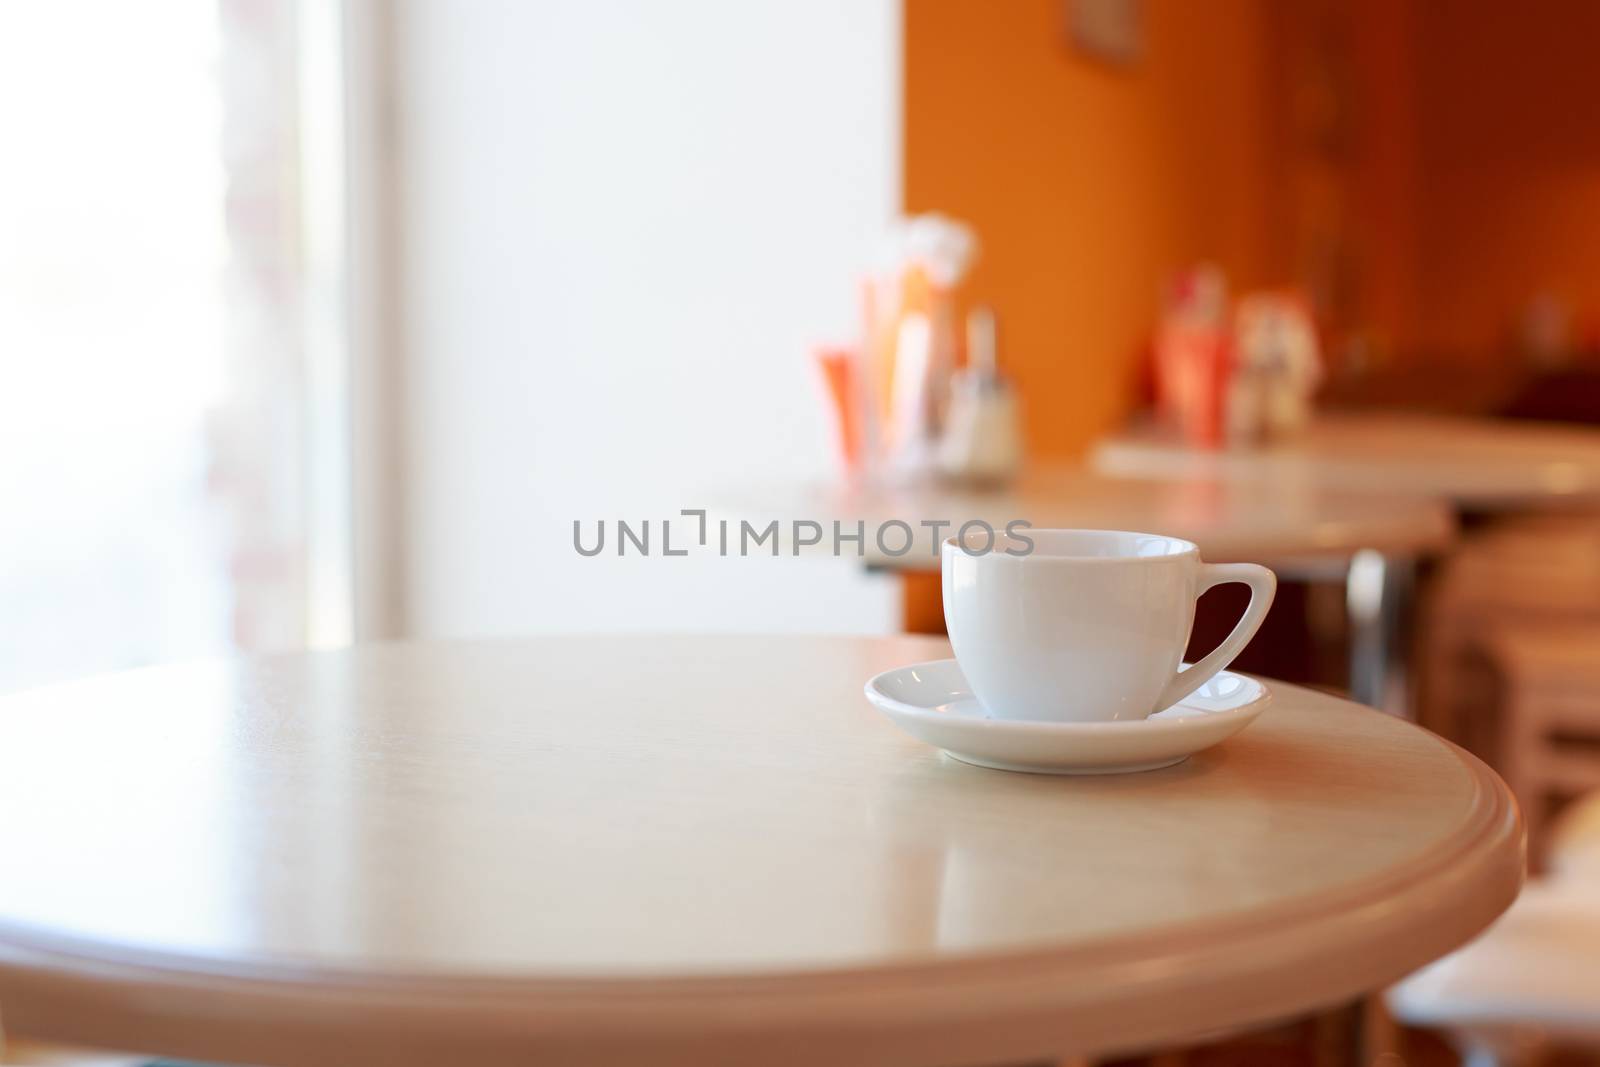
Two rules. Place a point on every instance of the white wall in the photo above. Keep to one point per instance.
(623, 223)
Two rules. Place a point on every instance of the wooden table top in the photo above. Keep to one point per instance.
(1478, 464)
(1231, 521)
(690, 850)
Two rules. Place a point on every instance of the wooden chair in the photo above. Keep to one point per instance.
(1539, 570)
(1575, 843)
(1511, 654)
(1549, 686)
(1532, 982)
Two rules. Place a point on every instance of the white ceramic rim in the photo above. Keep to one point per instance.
(1187, 549)
(882, 700)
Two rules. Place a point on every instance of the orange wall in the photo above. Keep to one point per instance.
(1423, 169)
(1090, 185)
(1463, 174)
(1509, 165)
(1382, 169)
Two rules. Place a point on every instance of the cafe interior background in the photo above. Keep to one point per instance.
(328, 322)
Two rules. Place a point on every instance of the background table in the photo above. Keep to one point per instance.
(1479, 464)
(691, 851)
(1369, 541)
(1230, 520)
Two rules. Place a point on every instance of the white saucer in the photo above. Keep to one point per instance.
(932, 702)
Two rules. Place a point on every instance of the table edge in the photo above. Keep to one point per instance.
(1174, 982)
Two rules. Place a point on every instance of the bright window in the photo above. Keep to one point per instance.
(153, 384)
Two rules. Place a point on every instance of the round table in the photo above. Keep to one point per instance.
(1478, 464)
(691, 851)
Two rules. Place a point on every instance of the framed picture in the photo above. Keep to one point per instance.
(1109, 31)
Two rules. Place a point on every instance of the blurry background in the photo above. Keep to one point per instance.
(171, 341)
(570, 254)
(325, 320)
(322, 321)
(1424, 171)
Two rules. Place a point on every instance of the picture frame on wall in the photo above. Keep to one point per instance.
(1107, 31)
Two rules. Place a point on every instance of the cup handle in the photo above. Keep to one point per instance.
(1263, 584)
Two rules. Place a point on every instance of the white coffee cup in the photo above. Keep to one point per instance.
(1086, 625)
